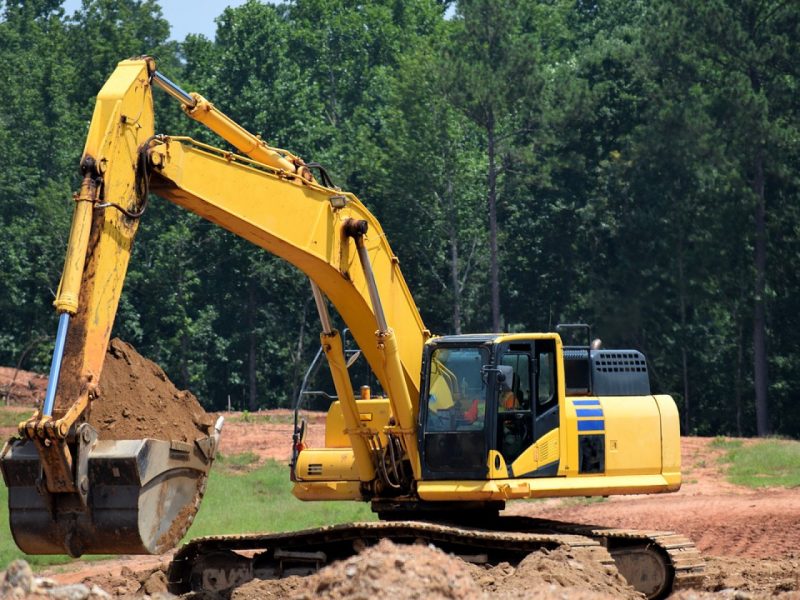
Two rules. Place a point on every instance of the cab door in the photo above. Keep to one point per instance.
(527, 415)
(546, 404)
(515, 401)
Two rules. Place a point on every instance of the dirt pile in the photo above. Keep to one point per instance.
(129, 584)
(553, 574)
(19, 583)
(137, 400)
(410, 572)
(384, 570)
(760, 578)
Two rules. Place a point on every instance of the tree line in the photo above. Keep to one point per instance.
(628, 164)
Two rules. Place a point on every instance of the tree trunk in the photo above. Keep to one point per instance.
(454, 280)
(737, 384)
(687, 411)
(252, 399)
(763, 426)
(494, 270)
(452, 232)
(184, 362)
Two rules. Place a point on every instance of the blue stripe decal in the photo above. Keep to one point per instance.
(591, 425)
(586, 402)
(589, 412)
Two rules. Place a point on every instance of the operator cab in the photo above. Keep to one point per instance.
(481, 394)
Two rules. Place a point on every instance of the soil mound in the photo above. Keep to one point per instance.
(411, 572)
(137, 400)
(553, 574)
(384, 570)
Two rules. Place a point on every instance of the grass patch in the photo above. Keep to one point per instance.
(723, 443)
(245, 461)
(10, 417)
(772, 463)
(248, 417)
(260, 500)
(241, 498)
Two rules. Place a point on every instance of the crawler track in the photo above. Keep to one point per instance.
(654, 562)
(639, 555)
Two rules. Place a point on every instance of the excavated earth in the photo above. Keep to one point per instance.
(136, 399)
(751, 539)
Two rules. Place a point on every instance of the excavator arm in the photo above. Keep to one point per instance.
(269, 197)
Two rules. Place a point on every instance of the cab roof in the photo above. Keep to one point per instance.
(489, 338)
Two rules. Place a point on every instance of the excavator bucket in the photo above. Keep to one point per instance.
(136, 497)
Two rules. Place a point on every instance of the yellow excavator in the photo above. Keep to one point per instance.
(468, 422)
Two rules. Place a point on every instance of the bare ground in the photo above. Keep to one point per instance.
(21, 388)
(751, 538)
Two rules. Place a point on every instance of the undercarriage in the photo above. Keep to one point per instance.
(653, 562)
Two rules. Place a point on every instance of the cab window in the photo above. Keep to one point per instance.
(456, 390)
(454, 440)
(546, 381)
(520, 385)
(515, 399)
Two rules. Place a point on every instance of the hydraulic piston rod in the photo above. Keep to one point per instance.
(174, 90)
(200, 109)
(55, 365)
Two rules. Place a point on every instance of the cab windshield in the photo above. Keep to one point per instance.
(456, 390)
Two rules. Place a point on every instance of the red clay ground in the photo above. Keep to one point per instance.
(752, 538)
(721, 518)
(18, 387)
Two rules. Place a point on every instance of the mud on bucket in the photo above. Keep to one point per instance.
(142, 497)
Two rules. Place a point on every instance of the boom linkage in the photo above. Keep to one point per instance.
(268, 197)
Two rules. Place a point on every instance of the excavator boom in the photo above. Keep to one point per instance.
(62, 496)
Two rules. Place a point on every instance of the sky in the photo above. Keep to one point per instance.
(184, 16)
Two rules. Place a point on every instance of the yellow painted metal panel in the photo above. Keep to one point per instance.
(497, 465)
(327, 490)
(543, 452)
(122, 121)
(670, 440)
(300, 224)
(633, 432)
(326, 464)
(353, 428)
(377, 409)
(545, 487)
(632, 429)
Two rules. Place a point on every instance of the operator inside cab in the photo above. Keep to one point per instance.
(452, 404)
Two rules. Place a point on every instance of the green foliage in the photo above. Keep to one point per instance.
(627, 149)
(772, 463)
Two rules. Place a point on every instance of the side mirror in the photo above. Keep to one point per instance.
(505, 373)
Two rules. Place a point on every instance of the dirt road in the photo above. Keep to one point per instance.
(751, 537)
